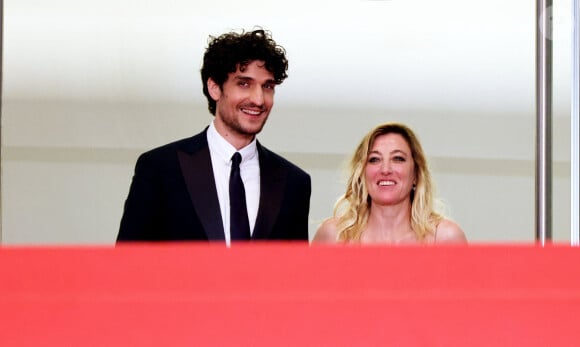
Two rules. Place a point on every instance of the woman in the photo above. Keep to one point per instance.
(389, 197)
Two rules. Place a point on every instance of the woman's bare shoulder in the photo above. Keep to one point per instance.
(449, 231)
(326, 232)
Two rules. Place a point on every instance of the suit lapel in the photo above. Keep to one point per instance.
(272, 178)
(198, 175)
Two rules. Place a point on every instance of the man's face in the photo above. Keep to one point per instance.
(243, 103)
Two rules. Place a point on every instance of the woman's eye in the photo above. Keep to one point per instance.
(373, 160)
(399, 158)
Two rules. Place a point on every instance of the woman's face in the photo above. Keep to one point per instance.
(390, 170)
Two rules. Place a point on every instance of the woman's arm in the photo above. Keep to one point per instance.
(449, 232)
(326, 232)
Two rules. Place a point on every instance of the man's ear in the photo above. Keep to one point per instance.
(214, 89)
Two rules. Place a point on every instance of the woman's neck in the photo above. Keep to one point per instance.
(389, 224)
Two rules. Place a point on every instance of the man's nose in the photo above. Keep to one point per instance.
(257, 96)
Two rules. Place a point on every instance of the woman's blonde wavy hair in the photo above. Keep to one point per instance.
(352, 209)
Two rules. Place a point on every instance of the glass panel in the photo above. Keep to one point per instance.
(88, 85)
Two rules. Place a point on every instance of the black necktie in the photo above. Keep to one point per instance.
(239, 225)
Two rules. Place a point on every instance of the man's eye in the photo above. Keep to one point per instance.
(269, 86)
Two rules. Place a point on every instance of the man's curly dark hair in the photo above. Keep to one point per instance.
(229, 51)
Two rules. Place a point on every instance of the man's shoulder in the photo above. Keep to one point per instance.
(188, 144)
(279, 160)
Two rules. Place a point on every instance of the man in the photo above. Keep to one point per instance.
(187, 190)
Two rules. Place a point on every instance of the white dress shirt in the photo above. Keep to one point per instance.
(221, 152)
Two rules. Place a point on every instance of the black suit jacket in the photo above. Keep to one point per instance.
(173, 196)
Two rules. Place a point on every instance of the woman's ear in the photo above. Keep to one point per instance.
(214, 89)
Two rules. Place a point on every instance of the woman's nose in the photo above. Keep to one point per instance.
(386, 167)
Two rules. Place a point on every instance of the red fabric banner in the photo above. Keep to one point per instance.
(289, 295)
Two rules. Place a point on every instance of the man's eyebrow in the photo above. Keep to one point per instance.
(244, 78)
(247, 78)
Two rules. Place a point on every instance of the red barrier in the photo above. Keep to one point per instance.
(289, 295)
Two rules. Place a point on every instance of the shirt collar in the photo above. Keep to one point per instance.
(224, 150)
